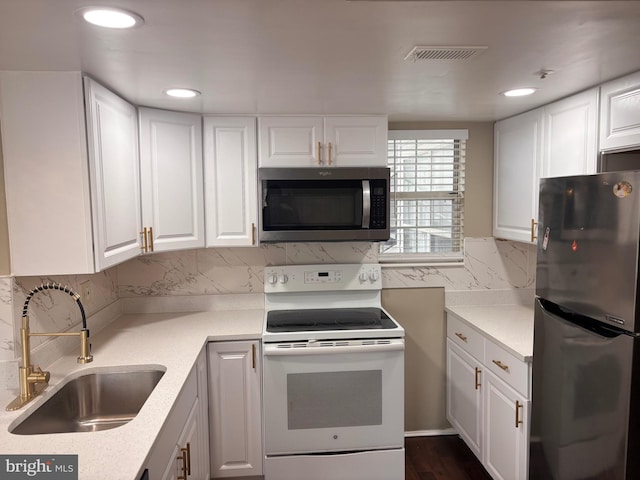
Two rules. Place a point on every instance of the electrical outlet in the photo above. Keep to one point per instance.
(85, 292)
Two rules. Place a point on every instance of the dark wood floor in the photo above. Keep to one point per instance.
(441, 458)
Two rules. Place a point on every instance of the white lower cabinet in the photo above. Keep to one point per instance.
(488, 400)
(235, 409)
(181, 451)
(506, 435)
(464, 396)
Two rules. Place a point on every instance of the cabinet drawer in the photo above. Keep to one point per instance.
(507, 367)
(465, 336)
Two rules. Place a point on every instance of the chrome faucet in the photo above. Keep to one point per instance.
(32, 379)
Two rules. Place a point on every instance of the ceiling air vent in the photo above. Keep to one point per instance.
(443, 53)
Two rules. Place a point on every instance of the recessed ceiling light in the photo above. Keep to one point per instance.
(182, 92)
(519, 92)
(111, 17)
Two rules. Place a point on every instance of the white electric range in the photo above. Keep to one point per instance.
(333, 377)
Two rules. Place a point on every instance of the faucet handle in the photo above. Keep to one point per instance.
(39, 376)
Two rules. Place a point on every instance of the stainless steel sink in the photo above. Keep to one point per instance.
(92, 402)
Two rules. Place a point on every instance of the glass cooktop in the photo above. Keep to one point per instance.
(279, 321)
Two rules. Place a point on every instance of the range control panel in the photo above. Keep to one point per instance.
(311, 278)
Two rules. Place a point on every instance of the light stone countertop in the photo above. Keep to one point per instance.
(510, 326)
(172, 340)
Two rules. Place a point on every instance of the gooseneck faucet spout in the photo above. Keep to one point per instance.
(32, 379)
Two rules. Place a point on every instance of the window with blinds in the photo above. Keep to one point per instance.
(427, 195)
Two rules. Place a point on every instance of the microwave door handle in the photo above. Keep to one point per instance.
(366, 203)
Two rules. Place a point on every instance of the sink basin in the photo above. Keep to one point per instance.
(92, 402)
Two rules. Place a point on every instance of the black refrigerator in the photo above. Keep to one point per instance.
(585, 409)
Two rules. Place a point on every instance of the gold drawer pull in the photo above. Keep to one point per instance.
(518, 407)
(478, 372)
(501, 365)
(534, 237)
(319, 153)
(461, 337)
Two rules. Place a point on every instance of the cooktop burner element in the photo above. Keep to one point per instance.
(328, 319)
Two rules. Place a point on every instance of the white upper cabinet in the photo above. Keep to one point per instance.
(231, 187)
(571, 136)
(517, 158)
(114, 166)
(555, 140)
(620, 113)
(356, 141)
(171, 179)
(55, 220)
(316, 141)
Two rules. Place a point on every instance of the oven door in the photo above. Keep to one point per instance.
(331, 396)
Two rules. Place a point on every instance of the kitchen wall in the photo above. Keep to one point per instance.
(414, 294)
(5, 267)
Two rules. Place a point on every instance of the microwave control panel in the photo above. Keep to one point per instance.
(379, 204)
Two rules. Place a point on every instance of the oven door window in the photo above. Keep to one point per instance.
(312, 399)
(312, 205)
(333, 401)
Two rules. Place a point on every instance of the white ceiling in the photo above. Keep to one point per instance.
(332, 56)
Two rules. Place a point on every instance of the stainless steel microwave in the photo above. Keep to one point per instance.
(323, 205)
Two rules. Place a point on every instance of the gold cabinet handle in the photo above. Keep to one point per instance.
(478, 372)
(329, 153)
(253, 234)
(188, 458)
(145, 243)
(150, 239)
(518, 407)
(319, 153)
(534, 224)
(501, 365)
(253, 356)
(461, 337)
(183, 457)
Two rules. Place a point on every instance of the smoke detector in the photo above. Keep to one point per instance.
(443, 53)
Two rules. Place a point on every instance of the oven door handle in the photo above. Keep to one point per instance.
(366, 203)
(276, 350)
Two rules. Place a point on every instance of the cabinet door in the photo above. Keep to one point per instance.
(171, 178)
(185, 456)
(46, 173)
(355, 141)
(464, 396)
(506, 427)
(571, 136)
(291, 141)
(620, 113)
(517, 158)
(234, 407)
(112, 130)
(230, 181)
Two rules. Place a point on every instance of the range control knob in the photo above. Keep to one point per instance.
(363, 277)
(272, 278)
(283, 278)
(374, 276)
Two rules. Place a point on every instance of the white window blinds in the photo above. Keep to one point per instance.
(427, 195)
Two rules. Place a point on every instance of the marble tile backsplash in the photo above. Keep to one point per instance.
(489, 266)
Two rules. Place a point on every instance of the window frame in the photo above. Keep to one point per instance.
(444, 259)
